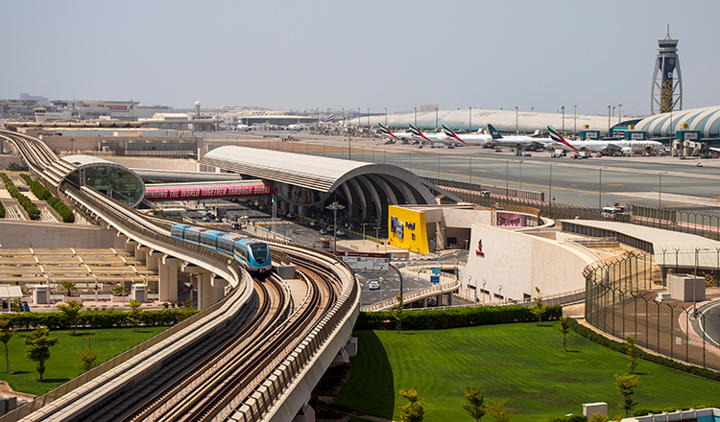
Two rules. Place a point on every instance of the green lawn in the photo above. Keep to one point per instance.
(521, 362)
(64, 356)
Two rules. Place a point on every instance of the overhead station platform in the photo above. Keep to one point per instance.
(306, 183)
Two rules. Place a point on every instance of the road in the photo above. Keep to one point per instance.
(708, 321)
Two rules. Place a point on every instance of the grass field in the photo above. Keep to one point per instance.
(64, 356)
(521, 362)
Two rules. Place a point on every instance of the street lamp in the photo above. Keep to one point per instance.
(385, 116)
(415, 108)
(563, 118)
(470, 119)
(368, 116)
(575, 119)
(436, 117)
(608, 119)
(516, 120)
(334, 207)
(484, 283)
(619, 112)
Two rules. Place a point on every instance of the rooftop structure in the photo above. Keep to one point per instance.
(706, 120)
(666, 92)
(306, 181)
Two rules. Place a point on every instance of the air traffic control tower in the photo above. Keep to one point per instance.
(666, 93)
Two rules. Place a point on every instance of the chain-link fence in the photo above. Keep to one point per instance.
(622, 300)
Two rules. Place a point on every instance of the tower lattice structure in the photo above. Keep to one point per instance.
(666, 93)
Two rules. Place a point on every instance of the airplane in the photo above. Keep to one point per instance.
(430, 138)
(328, 119)
(466, 138)
(625, 147)
(518, 141)
(403, 137)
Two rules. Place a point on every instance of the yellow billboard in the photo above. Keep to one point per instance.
(407, 230)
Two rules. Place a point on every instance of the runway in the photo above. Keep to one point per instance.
(594, 182)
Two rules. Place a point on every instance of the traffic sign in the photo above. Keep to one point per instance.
(436, 270)
(434, 279)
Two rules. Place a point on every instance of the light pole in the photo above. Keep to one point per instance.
(363, 226)
(385, 116)
(500, 292)
(507, 179)
(619, 112)
(436, 117)
(563, 118)
(484, 283)
(608, 119)
(359, 115)
(415, 108)
(575, 119)
(470, 119)
(613, 110)
(368, 116)
(550, 185)
(516, 121)
(334, 207)
(600, 189)
(520, 173)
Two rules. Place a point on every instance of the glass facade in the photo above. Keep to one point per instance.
(115, 182)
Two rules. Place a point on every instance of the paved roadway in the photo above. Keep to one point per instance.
(710, 323)
(682, 184)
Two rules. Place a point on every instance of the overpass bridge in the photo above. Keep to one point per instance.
(254, 355)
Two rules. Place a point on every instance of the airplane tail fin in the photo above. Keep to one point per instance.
(555, 136)
(330, 117)
(450, 133)
(386, 131)
(494, 132)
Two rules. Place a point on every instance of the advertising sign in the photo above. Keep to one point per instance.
(407, 230)
(510, 219)
(366, 261)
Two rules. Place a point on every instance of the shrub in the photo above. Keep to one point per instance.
(32, 210)
(622, 348)
(454, 318)
(41, 192)
(2, 211)
(105, 318)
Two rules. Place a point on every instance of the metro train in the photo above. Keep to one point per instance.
(252, 254)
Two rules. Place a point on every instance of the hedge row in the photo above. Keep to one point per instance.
(620, 347)
(32, 210)
(453, 318)
(97, 319)
(41, 192)
(2, 210)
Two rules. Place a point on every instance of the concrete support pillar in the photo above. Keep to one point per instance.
(151, 260)
(141, 253)
(305, 414)
(130, 246)
(449, 299)
(218, 285)
(168, 274)
(206, 292)
(439, 236)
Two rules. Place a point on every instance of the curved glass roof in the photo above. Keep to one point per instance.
(110, 179)
(706, 120)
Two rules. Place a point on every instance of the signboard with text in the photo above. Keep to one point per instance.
(365, 261)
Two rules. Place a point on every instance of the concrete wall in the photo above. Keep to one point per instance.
(465, 218)
(519, 262)
(15, 234)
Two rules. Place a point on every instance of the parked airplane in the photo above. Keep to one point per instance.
(625, 147)
(328, 119)
(403, 137)
(519, 141)
(430, 137)
(466, 138)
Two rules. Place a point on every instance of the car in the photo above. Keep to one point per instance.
(324, 230)
(498, 149)
(699, 164)
(373, 285)
(290, 216)
(341, 232)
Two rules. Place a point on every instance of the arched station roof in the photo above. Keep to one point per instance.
(706, 120)
(368, 188)
(104, 176)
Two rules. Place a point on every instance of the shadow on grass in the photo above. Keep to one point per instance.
(53, 380)
(370, 389)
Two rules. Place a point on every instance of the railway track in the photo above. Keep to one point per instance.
(213, 364)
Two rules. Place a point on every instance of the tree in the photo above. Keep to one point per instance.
(498, 410)
(118, 290)
(70, 287)
(538, 309)
(72, 313)
(598, 417)
(38, 347)
(476, 403)
(397, 313)
(564, 328)
(6, 334)
(88, 356)
(632, 351)
(414, 411)
(134, 314)
(626, 385)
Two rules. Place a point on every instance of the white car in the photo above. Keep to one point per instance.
(374, 285)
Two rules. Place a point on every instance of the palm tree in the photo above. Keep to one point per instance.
(70, 287)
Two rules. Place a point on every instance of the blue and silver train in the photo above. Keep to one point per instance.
(252, 254)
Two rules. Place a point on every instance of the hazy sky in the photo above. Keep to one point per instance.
(395, 54)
